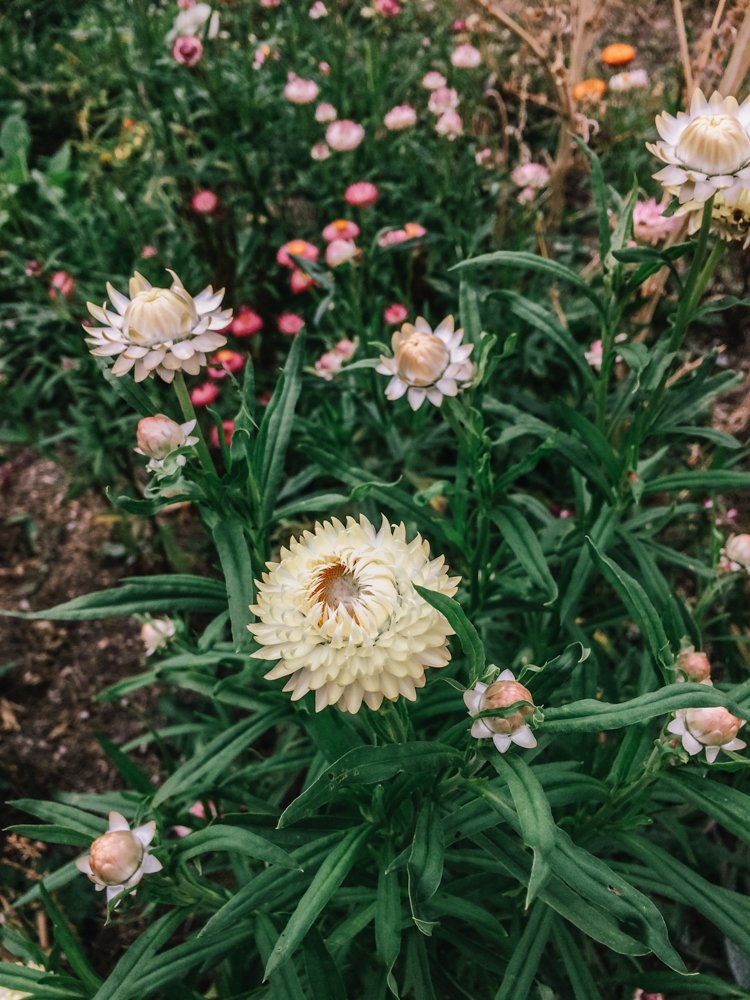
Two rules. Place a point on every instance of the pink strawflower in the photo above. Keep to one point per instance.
(388, 8)
(317, 10)
(290, 324)
(527, 195)
(32, 269)
(320, 151)
(222, 362)
(392, 237)
(62, 285)
(402, 116)
(433, 80)
(533, 175)
(300, 91)
(466, 57)
(148, 251)
(395, 314)
(300, 248)
(204, 394)
(458, 25)
(325, 112)
(341, 229)
(650, 224)
(344, 135)
(204, 202)
(340, 251)
(268, 4)
(324, 67)
(187, 50)
(414, 230)
(331, 362)
(227, 429)
(450, 124)
(185, 4)
(443, 99)
(246, 323)
(361, 194)
(299, 281)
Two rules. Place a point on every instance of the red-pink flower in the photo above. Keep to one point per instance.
(227, 428)
(399, 117)
(300, 91)
(362, 194)
(341, 229)
(187, 50)
(222, 362)
(329, 363)
(320, 151)
(204, 394)
(344, 135)
(414, 230)
(388, 8)
(300, 282)
(300, 248)
(62, 285)
(395, 314)
(392, 237)
(204, 202)
(650, 224)
(290, 324)
(148, 251)
(246, 323)
(324, 67)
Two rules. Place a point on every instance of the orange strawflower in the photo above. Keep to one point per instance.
(589, 91)
(618, 54)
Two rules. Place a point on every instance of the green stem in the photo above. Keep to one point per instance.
(697, 280)
(188, 412)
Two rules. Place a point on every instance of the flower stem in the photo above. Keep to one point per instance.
(697, 279)
(188, 413)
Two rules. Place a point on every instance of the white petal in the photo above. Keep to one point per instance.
(118, 300)
(524, 737)
(690, 743)
(117, 822)
(501, 742)
(82, 864)
(146, 832)
(151, 865)
(712, 753)
(480, 730)
(395, 388)
(415, 397)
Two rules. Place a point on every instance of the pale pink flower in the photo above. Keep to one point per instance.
(361, 194)
(187, 50)
(387, 8)
(246, 323)
(433, 80)
(595, 354)
(185, 4)
(443, 99)
(458, 25)
(392, 237)
(533, 175)
(450, 124)
(693, 666)
(414, 230)
(300, 248)
(318, 10)
(148, 251)
(340, 251)
(62, 286)
(712, 729)
(341, 229)
(737, 550)
(650, 224)
(344, 135)
(119, 858)
(325, 112)
(324, 67)
(395, 314)
(466, 57)
(330, 363)
(204, 202)
(299, 281)
(204, 394)
(526, 196)
(300, 91)
(320, 151)
(290, 324)
(159, 436)
(399, 117)
(268, 4)
(32, 269)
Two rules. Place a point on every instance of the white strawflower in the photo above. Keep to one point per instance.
(737, 550)
(158, 330)
(505, 691)
(157, 633)
(426, 363)
(192, 20)
(340, 613)
(730, 217)
(712, 729)
(119, 858)
(706, 149)
(159, 436)
(633, 79)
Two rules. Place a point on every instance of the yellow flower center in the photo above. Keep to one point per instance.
(336, 587)
(297, 247)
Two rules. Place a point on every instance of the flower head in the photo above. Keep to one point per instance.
(204, 202)
(533, 175)
(325, 113)
(466, 56)
(650, 224)
(299, 281)
(361, 193)
(246, 323)
(159, 436)
(618, 54)
(400, 117)
(589, 91)
(503, 731)
(299, 91)
(341, 229)
(204, 394)
(157, 633)
(317, 11)
(443, 99)
(332, 361)
(340, 613)
(193, 19)
(705, 150)
(634, 79)
(290, 324)
(224, 362)
(340, 251)
(119, 858)
(387, 8)
(395, 314)
(737, 550)
(158, 330)
(427, 364)
(344, 135)
(692, 666)
(433, 80)
(319, 151)
(712, 729)
(450, 124)
(730, 216)
(299, 248)
(62, 285)
(187, 50)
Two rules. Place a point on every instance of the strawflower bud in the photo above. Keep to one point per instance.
(695, 666)
(159, 435)
(503, 731)
(119, 858)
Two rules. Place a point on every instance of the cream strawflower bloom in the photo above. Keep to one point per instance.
(340, 613)
(706, 149)
(158, 330)
(503, 731)
(119, 858)
(427, 363)
(711, 728)
(737, 550)
(730, 217)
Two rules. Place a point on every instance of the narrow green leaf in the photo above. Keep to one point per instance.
(220, 838)
(388, 919)
(285, 983)
(728, 806)
(582, 985)
(468, 636)
(231, 544)
(69, 944)
(63, 815)
(705, 480)
(327, 879)
(119, 983)
(469, 310)
(323, 974)
(548, 324)
(524, 544)
(524, 963)
(425, 865)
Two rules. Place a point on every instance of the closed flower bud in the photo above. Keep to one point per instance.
(738, 550)
(502, 694)
(115, 856)
(695, 666)
(159, 435)
(712, 729)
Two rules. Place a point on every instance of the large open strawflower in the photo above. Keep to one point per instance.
(705, 150)
(158, 330)
(340, 613)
